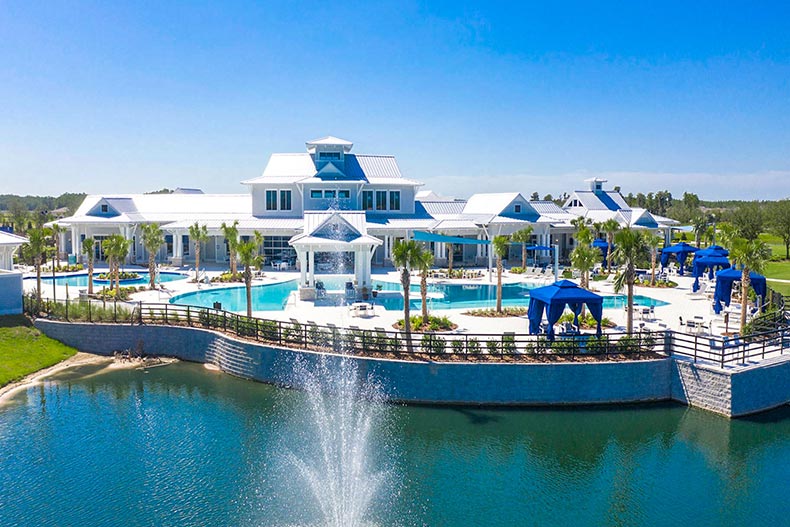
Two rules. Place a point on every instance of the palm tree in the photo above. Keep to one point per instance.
(424, 264)
(55, 231)
(751, 255)
(654, 242)
(610, 227)
(249, 257)
(153, 238)
(523, 237)
(584, 257)
(630, 249)
(89, 250)
(501, 245)
(198, 234)
(231, 235)
(116, 247)
(700, 224)
(405, 256)
(36, 248)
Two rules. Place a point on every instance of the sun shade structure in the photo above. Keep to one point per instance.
(553, 299)
(681, 251)
(422, 236)
(724, 281)
(603, 245)
(709, 263)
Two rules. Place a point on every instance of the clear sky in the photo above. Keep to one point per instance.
(470, 97)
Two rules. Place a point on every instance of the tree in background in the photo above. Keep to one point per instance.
(406, 256)
(231, 234)
(653, 242)
(610, 227)
(55, 231)
(630, 249)
(779, 222)
(748, 220)
(89, 250)
(700, 224)
(19, 216)
(534, 196)
(424, 264)
(523, 237)
(501, 246)
(36, 249)
(584, 257)
(249, 257)
(199, 235)
(153, 238)
(751, 255)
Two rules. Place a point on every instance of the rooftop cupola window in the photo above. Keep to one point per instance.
(329, 149)
(596, 184)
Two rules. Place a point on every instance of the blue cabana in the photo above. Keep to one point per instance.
(713, 250)
(724, 280)
(553, 299)
(681, 251)
(603, 245)
(708, 263)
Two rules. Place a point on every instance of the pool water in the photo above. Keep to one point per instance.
(180, 446)
(81, 280)
(273, 297)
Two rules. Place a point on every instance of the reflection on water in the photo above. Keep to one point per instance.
(182, 446)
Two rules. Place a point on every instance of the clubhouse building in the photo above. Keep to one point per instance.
(328, 207)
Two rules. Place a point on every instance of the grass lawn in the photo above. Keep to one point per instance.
(775, 243)
(24, 349)
(780, 287)
(778, 270)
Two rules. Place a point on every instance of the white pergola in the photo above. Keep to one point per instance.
(334, 232)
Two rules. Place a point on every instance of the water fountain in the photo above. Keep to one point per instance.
(346, 411)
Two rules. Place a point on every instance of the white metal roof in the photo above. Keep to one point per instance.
(329, 140)
(489, 203)
(7, 238)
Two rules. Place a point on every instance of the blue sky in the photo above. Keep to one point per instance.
(470, 97)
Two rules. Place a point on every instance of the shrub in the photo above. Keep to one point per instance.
(473, 346)
(458, 346)
(435, 323)
(269, 330)
(517, 270)
(508, 343)
(432, 344)
(492, 346)
(121, 276)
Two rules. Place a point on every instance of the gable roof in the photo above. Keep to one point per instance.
(295, 168)
(7, 238)
(602, 200)
(489, 203)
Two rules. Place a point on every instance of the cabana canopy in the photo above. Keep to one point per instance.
(724, 281)
(681, 251)
(708, 263)
(603, 245)
(539, 248)
(713, 250)
(553, 299)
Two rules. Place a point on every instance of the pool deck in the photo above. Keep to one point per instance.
(681, 303)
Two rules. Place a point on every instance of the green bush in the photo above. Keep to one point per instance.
(473, 346)
(508, 343)
(517, 270)
(458, 346)
(492, 346)
(432, 344)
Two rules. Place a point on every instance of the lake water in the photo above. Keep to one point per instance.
(181, 446)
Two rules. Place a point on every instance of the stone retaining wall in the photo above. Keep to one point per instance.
(726, 393)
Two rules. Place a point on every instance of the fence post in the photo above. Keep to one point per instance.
(189, 317)
(90, 314)
(140, 315)
(67, 309)
(115, 310)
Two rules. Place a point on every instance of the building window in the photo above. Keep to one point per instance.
(285, 200)
(316, 194)
(329, 156)
(105, 209)
(518, 209)
(185, 245)
(381, 200)
(271, 200)
(367, 200)
(169, 245)
(395, 200)
(344, 194)
(329, 194)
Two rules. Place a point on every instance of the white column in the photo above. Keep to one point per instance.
(76, 245)
(311, 265)
(302, 268)
(178, 248)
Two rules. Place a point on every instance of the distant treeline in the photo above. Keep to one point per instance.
(69, 200)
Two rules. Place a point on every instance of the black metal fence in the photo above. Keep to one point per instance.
(454, 346)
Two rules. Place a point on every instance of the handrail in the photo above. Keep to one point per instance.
(379, 342)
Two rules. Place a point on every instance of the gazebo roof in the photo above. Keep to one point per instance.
(564, 291)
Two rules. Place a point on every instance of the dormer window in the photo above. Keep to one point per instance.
(105, 208)
(329, 156)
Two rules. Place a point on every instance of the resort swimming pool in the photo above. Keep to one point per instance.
(273, 297)
(81, 280)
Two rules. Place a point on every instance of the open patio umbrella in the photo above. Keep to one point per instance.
(724, 281)
(553, 299)
(681, 251)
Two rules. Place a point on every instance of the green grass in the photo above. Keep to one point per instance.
(780, 287)
(775, 243)
(779, 270)
(24, 349)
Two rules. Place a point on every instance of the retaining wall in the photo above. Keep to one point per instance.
(730, 393)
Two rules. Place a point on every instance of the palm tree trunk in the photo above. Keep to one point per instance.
(117, 278)
(499, 285)
(608, 253)
(90, 274)
(450, 260)
(248, 286)
(744, 296)
(405, 282)
(233, 263)
(653, 268)
(37, 262)
(151, 270)
(424, 294)
(197, 261)
(523, 256)
(630, 314)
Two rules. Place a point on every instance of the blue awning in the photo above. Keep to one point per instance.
(724, 280)
(553, 299)
(681, 251)
(422, 236)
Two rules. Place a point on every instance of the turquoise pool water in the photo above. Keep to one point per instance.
(81, 280)
(441, 296)
(180, 446)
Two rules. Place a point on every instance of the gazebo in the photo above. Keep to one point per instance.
(554, 298)
(681, 251)
(709, 263)
(603, 245)
(724, 281)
